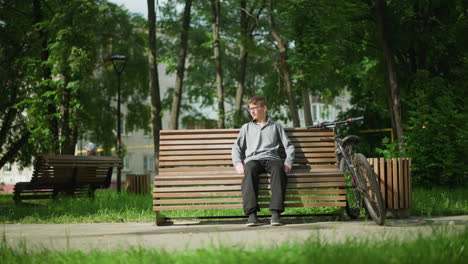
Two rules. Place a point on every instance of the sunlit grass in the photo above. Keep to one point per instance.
(109, 206)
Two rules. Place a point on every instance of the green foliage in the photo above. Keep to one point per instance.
(55, 65)
(437, 139)
(390, 149)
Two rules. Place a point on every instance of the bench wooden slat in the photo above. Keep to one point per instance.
(162, 148)
(239, 200)
(229, 146)
(239, 206)
(201, 156)
(230, 169)
(228, 162)
(204, 141)
(231, 136)
(197, 131)
(238, 187)
(195, 151)
(234, 176)
(236, 130)
(238, 181)
(238, 193)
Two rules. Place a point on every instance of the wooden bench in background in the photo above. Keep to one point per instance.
(70, 174)
(195, 172)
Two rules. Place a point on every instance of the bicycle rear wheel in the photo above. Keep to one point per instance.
(371, 191)
(353, 196)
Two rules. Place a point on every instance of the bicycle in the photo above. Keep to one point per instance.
(361, 180)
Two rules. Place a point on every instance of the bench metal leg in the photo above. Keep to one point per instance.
(340, 214)
(17, 193)
(91, 191)
(55, 194)
(160, 219)
(17, 197)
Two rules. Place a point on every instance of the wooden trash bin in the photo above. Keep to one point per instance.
(138, 183)
(394, 177)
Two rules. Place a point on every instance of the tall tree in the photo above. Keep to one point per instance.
(177, 96)
(216, 14)
(391, 72)
(47, 76)
(248, 24)
(18, 42)
(154, 82)
(284, 66)
(242, 61)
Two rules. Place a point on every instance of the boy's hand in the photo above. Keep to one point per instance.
(287, 168)
(240, 168)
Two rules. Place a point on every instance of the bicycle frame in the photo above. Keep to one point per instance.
(347, 157)
(343, 150)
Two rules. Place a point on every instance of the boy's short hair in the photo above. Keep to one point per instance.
(259, 100)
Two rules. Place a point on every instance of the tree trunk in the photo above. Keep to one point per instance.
(66, 147)
(307, 111)
(15, 147)
(216, 12)
(177, 97)
(284, 67)
(9, 117)
(393, 88)
(302, 84)
(242, 63)
(154, 82)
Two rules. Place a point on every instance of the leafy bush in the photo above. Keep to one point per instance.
(390, 149)
(436, 140)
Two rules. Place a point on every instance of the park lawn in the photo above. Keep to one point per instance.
(438, 248)
(108, 206)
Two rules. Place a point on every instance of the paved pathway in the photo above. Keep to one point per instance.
(198, 235)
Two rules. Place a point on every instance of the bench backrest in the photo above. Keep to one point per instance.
(212, 147)
(196, 171)
(74, 170)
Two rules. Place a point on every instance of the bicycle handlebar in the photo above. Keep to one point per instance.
(336, 123)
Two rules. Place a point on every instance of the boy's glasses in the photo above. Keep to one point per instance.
(250, 109)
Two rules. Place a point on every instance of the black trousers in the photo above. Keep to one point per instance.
(278, 181)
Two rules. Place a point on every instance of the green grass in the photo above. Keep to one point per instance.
(440, 202)
(108, 206)
(438, 248)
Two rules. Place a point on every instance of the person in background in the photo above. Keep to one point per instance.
(90, 149)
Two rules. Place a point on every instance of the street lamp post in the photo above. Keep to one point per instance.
(119, 62)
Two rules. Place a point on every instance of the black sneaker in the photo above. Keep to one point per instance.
(275, 219)
(253, 221)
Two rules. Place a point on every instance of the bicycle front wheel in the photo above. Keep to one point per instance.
(370, 189)
(353, 196)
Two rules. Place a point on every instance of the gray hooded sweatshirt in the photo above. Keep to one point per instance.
(258, 142)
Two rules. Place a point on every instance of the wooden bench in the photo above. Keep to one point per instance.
(195, 172)
(70, 174)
